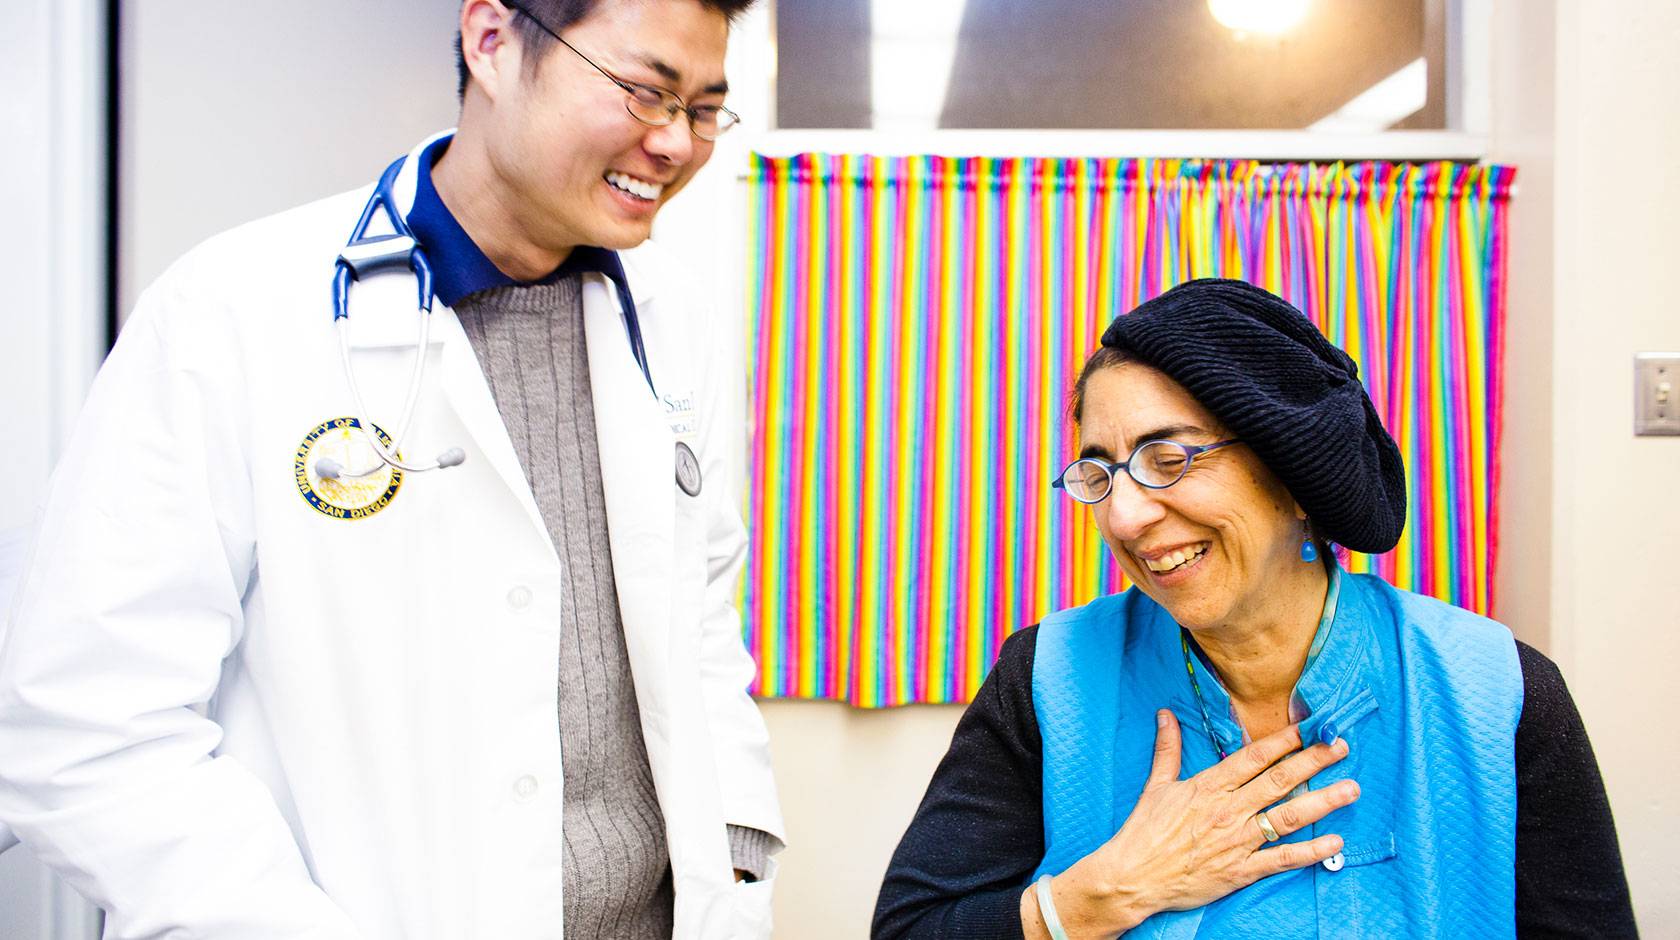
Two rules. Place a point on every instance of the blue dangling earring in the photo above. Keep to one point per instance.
(1309, 551)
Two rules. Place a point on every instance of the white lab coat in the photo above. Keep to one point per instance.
(224, 714)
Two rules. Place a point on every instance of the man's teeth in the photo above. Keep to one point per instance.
(634, 186)
(1175, 559)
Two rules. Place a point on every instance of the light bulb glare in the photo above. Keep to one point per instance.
(1268, 17)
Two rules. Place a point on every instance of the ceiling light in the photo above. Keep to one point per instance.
(1270, 17)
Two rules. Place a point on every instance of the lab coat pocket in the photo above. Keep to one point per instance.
(752, 907)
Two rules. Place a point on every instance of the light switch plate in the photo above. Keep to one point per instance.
(1656, 394)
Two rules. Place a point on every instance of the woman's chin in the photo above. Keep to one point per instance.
(1196, 618)
(1196, 608)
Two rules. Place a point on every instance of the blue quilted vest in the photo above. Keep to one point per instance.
(1427, 696)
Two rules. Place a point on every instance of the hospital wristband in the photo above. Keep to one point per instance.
(1047, 909)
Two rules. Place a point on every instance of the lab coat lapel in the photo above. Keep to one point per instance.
(637, 475)
(383, 333)
(470, 397)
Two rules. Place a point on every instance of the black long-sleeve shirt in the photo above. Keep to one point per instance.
(979, 834)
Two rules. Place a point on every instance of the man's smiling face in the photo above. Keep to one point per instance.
(582, 169)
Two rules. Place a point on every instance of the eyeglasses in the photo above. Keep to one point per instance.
(1153, 464)
(654, 107)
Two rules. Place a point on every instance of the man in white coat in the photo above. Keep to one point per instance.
(260, 681)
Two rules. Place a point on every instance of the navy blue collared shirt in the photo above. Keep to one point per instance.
(459, 267)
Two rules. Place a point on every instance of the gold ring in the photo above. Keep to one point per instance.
(1266, 828)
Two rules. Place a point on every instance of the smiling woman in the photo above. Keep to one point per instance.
(1248, 445)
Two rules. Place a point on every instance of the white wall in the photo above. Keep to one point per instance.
(233, 111)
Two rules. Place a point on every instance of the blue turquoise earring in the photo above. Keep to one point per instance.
(1309, 551)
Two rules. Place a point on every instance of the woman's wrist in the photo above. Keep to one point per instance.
(1093, 906)
(1032, 920)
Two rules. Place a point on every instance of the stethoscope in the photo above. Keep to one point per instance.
(365, 255)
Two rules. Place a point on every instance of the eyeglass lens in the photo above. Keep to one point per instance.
(1156, 464)
(659, 108)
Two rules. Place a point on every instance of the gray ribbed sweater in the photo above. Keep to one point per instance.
(529, 341)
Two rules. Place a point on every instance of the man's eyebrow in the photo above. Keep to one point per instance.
(673, 76)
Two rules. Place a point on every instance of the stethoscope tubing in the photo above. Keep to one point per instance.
(383, 252)
(416, 378)
(343, 276)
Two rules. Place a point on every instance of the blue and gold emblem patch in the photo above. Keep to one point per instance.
(348, 497)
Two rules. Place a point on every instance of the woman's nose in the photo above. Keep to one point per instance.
(1129, 508)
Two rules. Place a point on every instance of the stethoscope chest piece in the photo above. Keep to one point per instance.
(688, 470)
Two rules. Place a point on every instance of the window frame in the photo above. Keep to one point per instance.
(1468, 93)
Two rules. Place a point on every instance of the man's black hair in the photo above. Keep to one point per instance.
(557, 15)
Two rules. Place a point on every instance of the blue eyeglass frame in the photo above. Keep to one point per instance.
(1191, 452)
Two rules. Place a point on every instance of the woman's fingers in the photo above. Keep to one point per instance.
(1291, 856)
(1309, 807)
(1281, 778)
(1189, 842)
(1165, 767)
(1252, 761)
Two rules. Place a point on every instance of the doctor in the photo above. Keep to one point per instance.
(473, 671)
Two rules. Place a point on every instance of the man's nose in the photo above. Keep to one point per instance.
(674, 142)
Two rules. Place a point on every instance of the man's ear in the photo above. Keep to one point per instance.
(486, 45)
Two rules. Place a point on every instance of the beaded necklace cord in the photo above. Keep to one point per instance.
(1323, 633)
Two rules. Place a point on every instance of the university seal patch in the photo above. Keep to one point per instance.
(348, 497)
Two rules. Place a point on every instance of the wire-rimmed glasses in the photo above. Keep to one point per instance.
(1153, 464)
(653, 106)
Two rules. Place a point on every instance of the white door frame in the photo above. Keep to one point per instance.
(53, 194)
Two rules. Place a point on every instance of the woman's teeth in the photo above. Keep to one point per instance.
(1184, 557)
(641, 189)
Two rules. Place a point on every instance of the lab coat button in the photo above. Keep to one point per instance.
(1334, 862)
(525, 787)
(519, 597)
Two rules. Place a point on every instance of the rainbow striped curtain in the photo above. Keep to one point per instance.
(917, 323)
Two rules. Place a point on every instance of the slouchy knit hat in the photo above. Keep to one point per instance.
(1287, 392)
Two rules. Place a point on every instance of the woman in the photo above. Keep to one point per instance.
(1225, 444)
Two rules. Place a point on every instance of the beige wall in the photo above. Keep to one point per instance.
(850, 780)
(1524, 130)
(1615, 552)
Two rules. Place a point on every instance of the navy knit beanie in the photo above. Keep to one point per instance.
(1287, 392)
